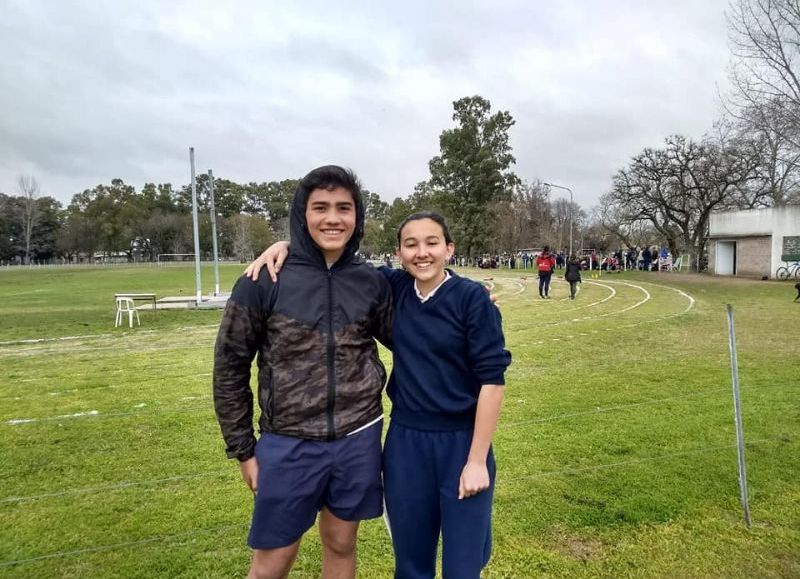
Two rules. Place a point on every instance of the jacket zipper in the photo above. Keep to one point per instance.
(331, 369)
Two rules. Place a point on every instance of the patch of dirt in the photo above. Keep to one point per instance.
(581, 548)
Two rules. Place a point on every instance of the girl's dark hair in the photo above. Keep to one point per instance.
(433, 216)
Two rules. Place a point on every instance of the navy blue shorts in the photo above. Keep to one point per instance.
(297, 477)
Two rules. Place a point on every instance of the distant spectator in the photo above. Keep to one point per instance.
(573, 275)
(545, 264)
(630, 259)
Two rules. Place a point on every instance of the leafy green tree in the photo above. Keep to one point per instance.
(23, 240)
(43, 239)
(114, 215)
(10, 230)
(374, 207)
(278, 205)
(473, 171)
(373, 241)
(398, 211)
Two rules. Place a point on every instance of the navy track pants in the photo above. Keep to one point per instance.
(544, 283)
(421, 472)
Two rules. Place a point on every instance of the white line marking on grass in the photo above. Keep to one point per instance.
(78, 391)
(148, 365)
(79, 349)
(95, 336)
(598, 316)
(612, 293)
(522, 288)
(105, 416)
(683, 293)
(619, 326)
(42, 340)
(99, 548)
(112, 487)
(62, 417)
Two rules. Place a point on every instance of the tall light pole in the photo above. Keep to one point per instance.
(214, 231)
(570, 211)
(195, 230)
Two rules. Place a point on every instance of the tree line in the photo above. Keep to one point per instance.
(471, 182)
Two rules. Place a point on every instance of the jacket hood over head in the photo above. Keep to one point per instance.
(327, 177)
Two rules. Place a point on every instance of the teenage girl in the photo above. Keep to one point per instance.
(446, 389)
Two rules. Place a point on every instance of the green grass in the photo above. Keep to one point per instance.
(616, 449)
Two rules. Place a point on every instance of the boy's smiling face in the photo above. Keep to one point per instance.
(331, 220)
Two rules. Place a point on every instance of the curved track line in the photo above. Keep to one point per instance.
(612, 293)
(691, 304)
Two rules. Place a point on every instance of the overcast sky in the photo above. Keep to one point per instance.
(264, 91)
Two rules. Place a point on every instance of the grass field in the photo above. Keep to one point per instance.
(616, 450)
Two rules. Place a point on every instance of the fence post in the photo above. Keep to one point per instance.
(737, 410)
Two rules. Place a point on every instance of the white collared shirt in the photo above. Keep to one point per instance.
(424, 299)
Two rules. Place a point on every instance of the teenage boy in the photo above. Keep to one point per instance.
(319, 382)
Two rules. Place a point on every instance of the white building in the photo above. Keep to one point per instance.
(753, 242)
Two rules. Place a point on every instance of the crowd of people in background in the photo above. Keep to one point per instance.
(651, 258)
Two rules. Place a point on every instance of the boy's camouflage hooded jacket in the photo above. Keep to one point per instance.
(319, 375)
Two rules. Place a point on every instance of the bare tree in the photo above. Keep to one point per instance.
(676, 188)
(29, 190)
(623, 222)
(761, 130)
(521, 222)
(765, 40)
(242, 244)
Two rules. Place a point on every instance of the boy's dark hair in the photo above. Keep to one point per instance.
(433, 216)
(546, 249)
(330, 177)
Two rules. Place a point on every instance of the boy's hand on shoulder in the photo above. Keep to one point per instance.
(272, 257)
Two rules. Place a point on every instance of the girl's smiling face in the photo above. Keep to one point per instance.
(424, 252)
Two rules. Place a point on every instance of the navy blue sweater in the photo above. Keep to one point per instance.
(444, 350)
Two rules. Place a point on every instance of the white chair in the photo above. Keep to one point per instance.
(126, 305)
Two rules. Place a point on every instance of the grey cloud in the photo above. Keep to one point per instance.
(93, 91)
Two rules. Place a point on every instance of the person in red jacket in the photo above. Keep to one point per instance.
(545, 263)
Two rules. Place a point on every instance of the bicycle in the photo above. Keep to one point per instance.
(788, 271)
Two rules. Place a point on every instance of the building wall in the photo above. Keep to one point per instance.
(753, 256)
(757, 225)
(712, 256)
